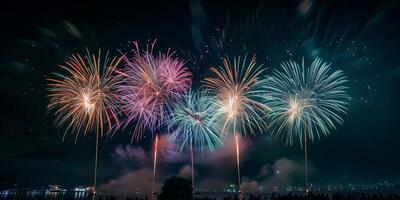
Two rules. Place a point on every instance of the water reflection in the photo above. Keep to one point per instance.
(44, 194)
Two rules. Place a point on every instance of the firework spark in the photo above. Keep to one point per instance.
(306, 102)
(240, 92)
(85, 99)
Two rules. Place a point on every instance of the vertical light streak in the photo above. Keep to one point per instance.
(306, 158)
(95, 164)
(238, 160)
(154, 163)
(191, 157)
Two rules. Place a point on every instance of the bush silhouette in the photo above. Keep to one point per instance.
(176, 188)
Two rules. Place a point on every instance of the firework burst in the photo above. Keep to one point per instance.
(151, 84)
(306, 99)
(240, 92)
(194, 122)
(85, 98)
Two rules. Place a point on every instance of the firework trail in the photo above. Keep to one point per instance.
(151, 84)
(195, 124)
(154, 160)
(240, 91)
(306, 102)
(85, 98)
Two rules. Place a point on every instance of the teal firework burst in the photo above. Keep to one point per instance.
(194, 122)
(306, 102)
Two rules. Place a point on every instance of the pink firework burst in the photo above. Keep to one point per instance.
(151, 84)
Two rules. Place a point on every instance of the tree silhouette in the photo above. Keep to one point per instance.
(176, 188)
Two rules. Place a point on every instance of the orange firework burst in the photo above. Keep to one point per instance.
(85, 98)
(240, 91)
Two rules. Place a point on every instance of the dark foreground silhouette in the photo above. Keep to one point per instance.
(177, 188)
(321, 196)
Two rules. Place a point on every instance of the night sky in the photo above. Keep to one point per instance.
(358, 37)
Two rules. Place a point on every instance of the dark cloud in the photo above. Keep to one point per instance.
(130, 182)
